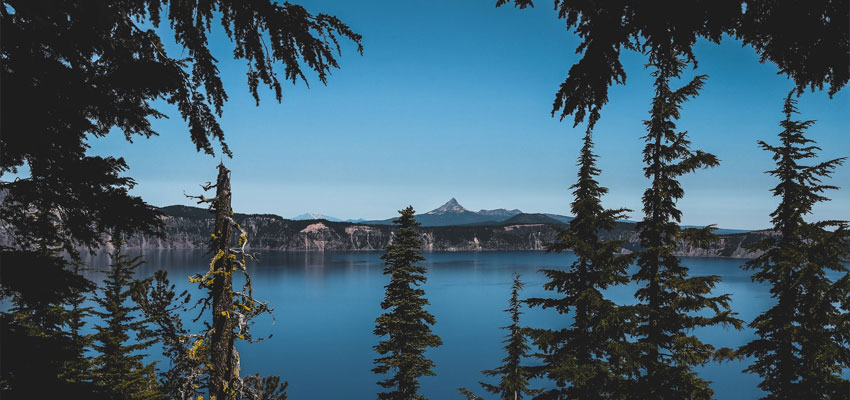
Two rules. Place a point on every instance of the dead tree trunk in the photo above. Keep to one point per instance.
(221, 346)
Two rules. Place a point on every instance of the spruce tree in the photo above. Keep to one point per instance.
(120, 371)
(585, 359)
(671, 303)
(513, 377)
(802, 343)
(405, 324)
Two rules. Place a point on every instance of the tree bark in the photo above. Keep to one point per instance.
(221, 346)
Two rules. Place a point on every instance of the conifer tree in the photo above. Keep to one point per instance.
(119, 367)
(513, 377)
(405, 322)
(164, 308)
(814, 55)
(672, 304)
(43, 348)
(585, 361)
(80, 368)
(802, 343)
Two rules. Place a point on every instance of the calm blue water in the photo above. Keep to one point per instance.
(326, 303)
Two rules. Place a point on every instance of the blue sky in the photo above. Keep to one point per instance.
(453, 99)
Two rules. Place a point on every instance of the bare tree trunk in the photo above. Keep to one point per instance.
(221, 346)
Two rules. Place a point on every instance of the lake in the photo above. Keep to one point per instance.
(326, 304)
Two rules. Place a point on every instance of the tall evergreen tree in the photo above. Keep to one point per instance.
(802, 343)
(119, 365)
(405, 322)
(513, 376)
(586, 360)
(672, 304)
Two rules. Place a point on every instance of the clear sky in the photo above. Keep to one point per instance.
(453, 99)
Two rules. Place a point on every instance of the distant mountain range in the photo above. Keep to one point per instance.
(312, 216)
(453, 214)
(308, 215)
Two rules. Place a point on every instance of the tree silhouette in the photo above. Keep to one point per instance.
(76, 70)
(802, 344)
(671, 304)
(513, 376)
(118, 366)
(816, 52)
(405, 323)
(586, 360)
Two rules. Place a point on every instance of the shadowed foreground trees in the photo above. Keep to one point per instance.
(588, 360)
(814, 54)
(405, 325)
(672, 304)
(77, 70)
(119, 369)
(513, 376)
(802, 343)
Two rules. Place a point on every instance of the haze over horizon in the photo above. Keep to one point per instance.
(454, 100)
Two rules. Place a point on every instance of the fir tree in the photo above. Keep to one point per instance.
(802, 343)
(672, 304)
(513, 377)
(585, 360)
(119, 366)
(405, 324)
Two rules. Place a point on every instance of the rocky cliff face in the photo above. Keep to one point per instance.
(188, 228)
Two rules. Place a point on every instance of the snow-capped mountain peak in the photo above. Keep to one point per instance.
(450, 206)
(315, 216)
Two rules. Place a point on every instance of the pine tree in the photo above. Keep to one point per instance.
(802, 343)
(513, 377)
(405, 324)
(585, 359)
(672, 304)
(121, 373)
